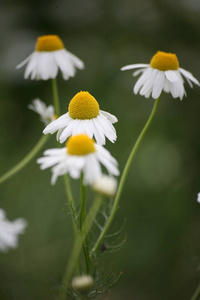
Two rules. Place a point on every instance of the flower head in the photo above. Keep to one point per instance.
(49, 56)
(162, 74)
(84, 116)
(9, 231)
(81, 155)
(105, 185)
(47, 114)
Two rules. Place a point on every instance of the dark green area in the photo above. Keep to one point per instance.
(161, 257)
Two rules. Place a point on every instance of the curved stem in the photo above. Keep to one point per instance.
(196, 294)
(55, 97)
(78, 245)
(25, 160)
(124, 175)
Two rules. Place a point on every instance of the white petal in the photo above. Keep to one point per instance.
(98, 134)
(64, 62)
(109, 116)
(134, 66)
(171, 75)
(147, 74)
(158, 84)
(59, 123)
(189, 76)
(76, 61)
(23, 62)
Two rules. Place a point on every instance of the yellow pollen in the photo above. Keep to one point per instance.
(83, 106)
(164, 61)
(80, 145)
(49, 43)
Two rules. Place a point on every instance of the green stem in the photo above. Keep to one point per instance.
(196, 293)
(123, 177)
(55, 97)
(71, 201)
(81, 222)
(25, 160)
(78, 245)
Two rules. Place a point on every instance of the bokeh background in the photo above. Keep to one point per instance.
(161, 257)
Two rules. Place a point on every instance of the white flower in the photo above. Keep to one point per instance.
(82, 284)
(163, 73)
(47, 114)
(84, 116)
(81, 155)
(50, 56)
(198, 197)
(9, 231)
(105, 185)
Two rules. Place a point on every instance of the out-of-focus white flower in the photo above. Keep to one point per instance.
(84, 116)
(105, 185)
(81, 155)
(82, 284)
(47, 113)
(162, 74)
(198, 197)
(9, 231)
(49, 56)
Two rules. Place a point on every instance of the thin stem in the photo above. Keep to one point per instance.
(55, 97)
(81, 221)
(196, 293)
(66, 180)
(71, 201)
(123, 177)
(18, 167)
(78, 245)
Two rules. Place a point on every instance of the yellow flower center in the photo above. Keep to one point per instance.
(80, 145)
(164, 61)
(83, 106)
(49, 43)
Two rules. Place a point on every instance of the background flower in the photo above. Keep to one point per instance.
(50, 56)
(9, 231)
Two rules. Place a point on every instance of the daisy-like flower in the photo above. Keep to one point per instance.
(9, 231)
(163, 73)
(81, 155)
(84, 116)
(47, 113)
(49, 56)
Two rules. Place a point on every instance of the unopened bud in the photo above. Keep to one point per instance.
(105, 185)
(82, 284)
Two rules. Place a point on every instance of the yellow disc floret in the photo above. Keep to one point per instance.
(49, 43)
(80, 145)
(164, 61)
(83, 106)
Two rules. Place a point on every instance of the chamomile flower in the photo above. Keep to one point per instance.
(80, 155)
(84, 116)
(49, 56)
(9, 231)
(47, 113)
(162, 74)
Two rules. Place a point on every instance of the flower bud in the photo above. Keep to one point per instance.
(82, 284)
(105, 185)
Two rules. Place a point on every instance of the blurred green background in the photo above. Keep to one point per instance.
(161, 257)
